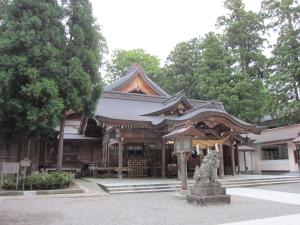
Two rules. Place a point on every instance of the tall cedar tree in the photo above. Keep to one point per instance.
(243, 35)
(32, 43)
(243, 32)
(122, 60)
(179, 71)
(81, 87)
(283, 79)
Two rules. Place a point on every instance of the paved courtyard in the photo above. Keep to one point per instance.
(154, 208)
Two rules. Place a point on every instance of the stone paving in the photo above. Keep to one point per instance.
(145, 209)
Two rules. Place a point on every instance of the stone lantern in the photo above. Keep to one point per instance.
(182, 137)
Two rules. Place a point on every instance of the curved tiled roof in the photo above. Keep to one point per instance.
(140, 109)
(132, 73)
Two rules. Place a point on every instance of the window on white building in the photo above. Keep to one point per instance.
(274, 152)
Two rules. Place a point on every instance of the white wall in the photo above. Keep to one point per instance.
(275, 165)
(288, 165)
(249, 164)
(293, 165)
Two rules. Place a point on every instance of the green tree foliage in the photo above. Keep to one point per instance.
(86, 46)
(122, 60)
(179, 71)
(204, 68)
(32, 43)
(243, 34)
(284, 65)
(46, 72)
(81, 87)
(3, 8)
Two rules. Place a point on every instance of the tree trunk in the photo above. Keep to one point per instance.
(60, 145)
(28, 148)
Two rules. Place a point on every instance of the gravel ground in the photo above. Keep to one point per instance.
(132, 209)
(292, 188)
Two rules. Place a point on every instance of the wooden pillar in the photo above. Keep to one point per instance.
(183, 169)
(232, 158)
(120, 164)
(221, 167)
(238, 159)
(245, 162)
(163, 159)
(178, 168)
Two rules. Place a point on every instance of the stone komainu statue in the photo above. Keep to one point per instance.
(207, 172)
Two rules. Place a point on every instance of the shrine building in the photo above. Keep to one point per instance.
(139, 123)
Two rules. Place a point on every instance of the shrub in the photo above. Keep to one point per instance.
(9, 183)
(46, 181)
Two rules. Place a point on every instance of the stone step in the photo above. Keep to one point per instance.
(168, 187)
(143, 191)
(259, 180)
(261, 183)
(148, 187)
(237, 182)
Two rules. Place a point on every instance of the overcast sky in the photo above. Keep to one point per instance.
(157, 25)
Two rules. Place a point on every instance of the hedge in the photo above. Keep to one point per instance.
(43, 181)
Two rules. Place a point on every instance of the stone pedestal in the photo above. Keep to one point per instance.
(208, 193)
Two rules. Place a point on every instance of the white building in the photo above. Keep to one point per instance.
(274, 151)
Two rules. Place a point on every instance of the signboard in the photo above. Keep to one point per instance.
(9, 167)
(25, 163)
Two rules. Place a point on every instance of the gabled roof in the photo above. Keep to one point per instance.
(136, 72)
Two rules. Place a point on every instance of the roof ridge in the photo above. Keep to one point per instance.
(204, 106)
(179, 94)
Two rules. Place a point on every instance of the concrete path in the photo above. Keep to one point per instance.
(280, 220)
(276, 196)
(90, 188)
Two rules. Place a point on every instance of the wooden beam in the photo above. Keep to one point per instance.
(163, 159)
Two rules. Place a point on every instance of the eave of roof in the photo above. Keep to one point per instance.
(297, 140)
(185, 131)
(245, 148)
(170, 105)
(205, 112)
(276, 135)
(79, 137)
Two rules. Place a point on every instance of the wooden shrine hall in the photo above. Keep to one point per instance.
(139, 123)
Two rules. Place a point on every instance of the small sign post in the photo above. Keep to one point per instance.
(25, 163)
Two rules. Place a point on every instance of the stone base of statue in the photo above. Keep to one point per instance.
(208, 193)
(206, 189)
